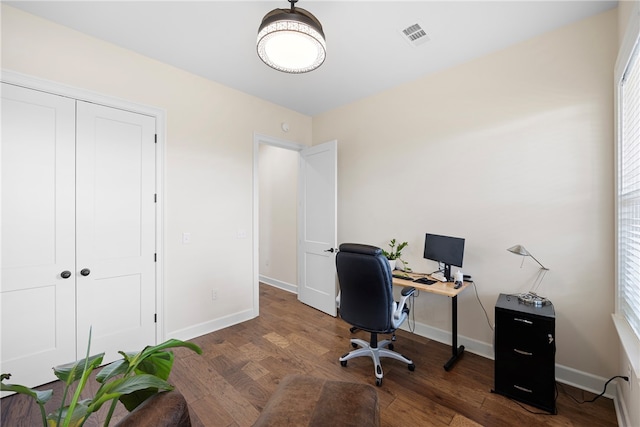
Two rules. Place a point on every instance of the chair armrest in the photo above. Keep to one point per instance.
(407, 291)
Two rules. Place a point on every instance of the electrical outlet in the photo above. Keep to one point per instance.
(214, 294)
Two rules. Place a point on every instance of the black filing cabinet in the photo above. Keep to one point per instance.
(525, 352)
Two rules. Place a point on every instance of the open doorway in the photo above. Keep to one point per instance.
(278, 198)
(294, 238)
(275, 244)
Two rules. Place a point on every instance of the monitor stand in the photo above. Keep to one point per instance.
(447, 272)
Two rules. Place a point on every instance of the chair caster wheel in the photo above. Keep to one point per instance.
(343, 362)
(378, 382)
(412, 367)
(390, 347)
(353, 329)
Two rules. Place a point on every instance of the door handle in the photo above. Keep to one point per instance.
(65, 274)
(85, 271)
(330, 250)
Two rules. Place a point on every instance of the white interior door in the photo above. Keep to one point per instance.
(318, 230)
(115, 229)
(38, 221)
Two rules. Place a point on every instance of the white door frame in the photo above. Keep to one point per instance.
(274, 142)
(36, 83)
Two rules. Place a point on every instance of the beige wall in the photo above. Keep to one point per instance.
(208, 155)
(515, 147)
(278, 215)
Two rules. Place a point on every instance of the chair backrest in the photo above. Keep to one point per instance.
(366, 288)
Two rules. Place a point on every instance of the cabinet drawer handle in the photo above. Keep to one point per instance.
(528, 322)
(522, 388)
(526, 353)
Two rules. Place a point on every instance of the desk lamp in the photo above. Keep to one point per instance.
(531, 297)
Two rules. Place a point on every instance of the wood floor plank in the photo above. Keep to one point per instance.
(241, 367)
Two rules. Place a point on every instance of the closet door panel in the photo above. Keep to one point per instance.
(115, 229)
(38, 221)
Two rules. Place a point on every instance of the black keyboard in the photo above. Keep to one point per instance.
(425, 281)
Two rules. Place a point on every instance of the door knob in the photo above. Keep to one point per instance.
(65, 274)
(330, 250)
(85, 271)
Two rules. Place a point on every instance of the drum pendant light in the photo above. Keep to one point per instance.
(291, 40)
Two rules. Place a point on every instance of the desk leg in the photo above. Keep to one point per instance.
(456, 351)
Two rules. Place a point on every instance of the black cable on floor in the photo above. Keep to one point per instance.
(601, 394)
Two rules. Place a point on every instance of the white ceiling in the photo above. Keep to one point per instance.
(366, 53)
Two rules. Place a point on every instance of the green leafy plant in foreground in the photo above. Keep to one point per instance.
(130, 380)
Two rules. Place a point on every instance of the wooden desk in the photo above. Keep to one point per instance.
(446, 289)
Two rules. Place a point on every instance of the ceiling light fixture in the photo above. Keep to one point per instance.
(291, 40)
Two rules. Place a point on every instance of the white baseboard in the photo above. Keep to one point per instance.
(621, 409)
(584, 381)
(211, 326)
(279, 284)
(472, 346)
(564, 374)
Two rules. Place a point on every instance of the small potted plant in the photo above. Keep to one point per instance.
(394, 254)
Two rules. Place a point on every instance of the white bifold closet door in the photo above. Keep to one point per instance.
(115, 229)
(38, 234)
(78, 232)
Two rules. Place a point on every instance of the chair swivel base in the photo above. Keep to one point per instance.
(375, 353)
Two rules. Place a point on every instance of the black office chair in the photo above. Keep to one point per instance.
(366, 302)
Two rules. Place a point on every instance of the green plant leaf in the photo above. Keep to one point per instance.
(41, 397)
(127, 385)
(112, 369)
(80, 412)
(172, 343)
(132, 400)
(158, 364)
(72, 372)
(150, 350)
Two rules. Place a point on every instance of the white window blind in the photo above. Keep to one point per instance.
(629, 194)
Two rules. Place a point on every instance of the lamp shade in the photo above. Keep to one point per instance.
(291, 40)
(519, 250)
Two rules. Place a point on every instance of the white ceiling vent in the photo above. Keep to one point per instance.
(415, 35)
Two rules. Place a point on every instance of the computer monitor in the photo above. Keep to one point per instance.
(444, 249)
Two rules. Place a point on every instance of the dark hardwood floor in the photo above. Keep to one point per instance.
(241, 366)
